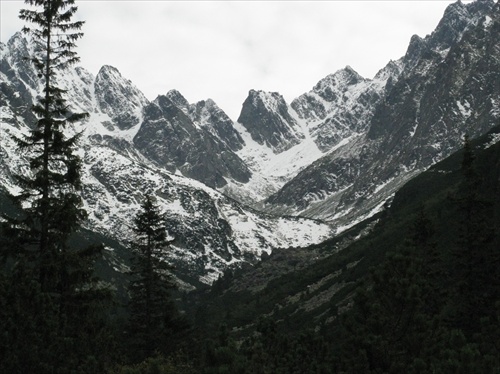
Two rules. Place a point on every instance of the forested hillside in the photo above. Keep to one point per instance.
(419, 293)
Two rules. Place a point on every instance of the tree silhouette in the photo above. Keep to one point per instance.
(54, 320)
(151, 309)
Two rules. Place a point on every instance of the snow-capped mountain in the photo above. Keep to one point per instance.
(121, 100)
(337, 152)
(131, 147)
(266, 116)
(282, 139)
(172, 139)
(341, 105)
(447, 85)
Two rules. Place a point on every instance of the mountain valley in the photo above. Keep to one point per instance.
(282, 175)
(354, 229)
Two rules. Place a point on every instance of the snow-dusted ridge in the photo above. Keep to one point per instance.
(207, 226)
(410, 116)
(337, 152)
(210, 230)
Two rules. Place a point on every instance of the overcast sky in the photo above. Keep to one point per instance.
(222, 49)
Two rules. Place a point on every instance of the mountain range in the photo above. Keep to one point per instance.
(282, 174)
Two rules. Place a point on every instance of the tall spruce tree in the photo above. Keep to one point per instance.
(52, 208)
(53, 320)
(151, 309)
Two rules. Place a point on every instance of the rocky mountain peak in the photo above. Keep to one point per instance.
(162, 100)
(213, 119)
(204, 107)
(119, 98)
(457, 18)
(271, 100)
(17, 42)
(450, 28)
(14, 63)
(195, 142)
(178, 100)
(415, 49)
(267, 118)
(211, 105)
(339, 106)
(338, 82)
(445, 86)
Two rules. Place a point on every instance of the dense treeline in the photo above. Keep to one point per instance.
(419, 294)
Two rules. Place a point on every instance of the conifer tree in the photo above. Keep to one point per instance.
(50, 287)
(151, 309)
(52, 208)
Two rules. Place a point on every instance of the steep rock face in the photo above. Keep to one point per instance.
(170, 138)
(22, 78)
(317, 190)
(456, 19)
(178, 100)
(119, 98)
(340, 105)
(14, 63)
(266, 116)
(165, 133)
(214, 120)
(444, 95)
(443, 91)
(16, 88)
(338, 112)
(318, 103)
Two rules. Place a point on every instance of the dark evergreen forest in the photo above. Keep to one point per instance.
(423, 295)
(414, 289)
